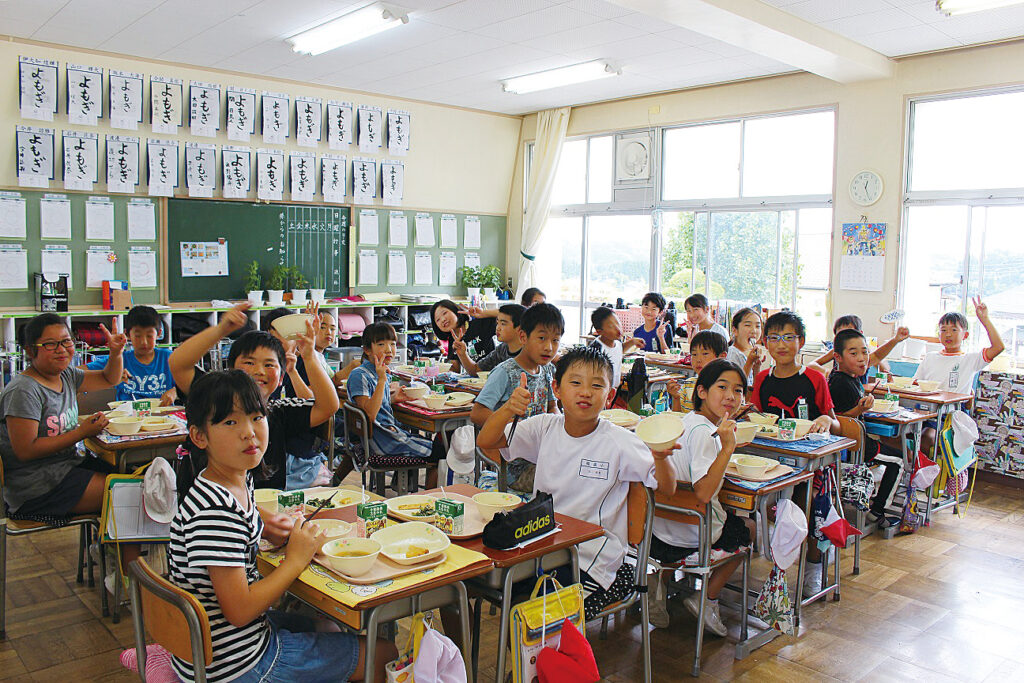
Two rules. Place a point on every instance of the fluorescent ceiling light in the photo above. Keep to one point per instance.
(349, 28)
(566, 75)
(951, 7)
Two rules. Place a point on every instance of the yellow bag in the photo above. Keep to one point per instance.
(400, 670)
(537, 623)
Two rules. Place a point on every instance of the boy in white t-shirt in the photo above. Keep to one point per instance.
(586, 463)
(609, 339)
(951, 367)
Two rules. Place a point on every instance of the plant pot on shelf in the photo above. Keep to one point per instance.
(473, 291)
(299, 296)
(255, 298)
(489, 293)
(275, 297)
(318, 295)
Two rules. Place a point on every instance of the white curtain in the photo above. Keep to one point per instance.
(551, 127)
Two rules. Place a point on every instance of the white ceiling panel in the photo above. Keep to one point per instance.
(457, 51)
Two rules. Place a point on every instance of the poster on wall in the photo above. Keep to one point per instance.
(204, 108)
(37, 80)
(165, 104)
(309, 115)
(34, 152)
(81, 160)
(862, 264)
(339, 124)
(125, 99)
(85, 94)
(204, 259)
(241, 113)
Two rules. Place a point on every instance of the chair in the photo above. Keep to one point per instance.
(684, 507)
(88, 529)
(853, 428)
(358, 424)
(172, 617)
(640, 514)
(491, 457)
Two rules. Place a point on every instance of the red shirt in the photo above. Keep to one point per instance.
(780, 395)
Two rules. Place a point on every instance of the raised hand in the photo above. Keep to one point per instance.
(290, 359)
(115, 340)
(902, 333)
(380, 366)
(235, 319)
(980, 309)
(313, 309)
(306, 344)
(471, 311)
(519, 402)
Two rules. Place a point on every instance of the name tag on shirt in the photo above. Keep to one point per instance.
(594, 469)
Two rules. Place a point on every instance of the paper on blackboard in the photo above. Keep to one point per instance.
(424, 268)
(56, 261)
(449, 231)
(446, 269)
(141, 222)
(13, 269)
(424, 230)
(142, 268)
(398, 229)
(369, 227)
(12, 218)
(471, 259)
(99, 220)
(98, 267)
(471, 228)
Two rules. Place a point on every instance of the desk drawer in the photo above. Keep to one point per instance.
(738, 500)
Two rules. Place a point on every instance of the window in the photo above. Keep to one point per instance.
(571, 176)
(558, 270)
(618, 257)
(702, 162)
(963, 216)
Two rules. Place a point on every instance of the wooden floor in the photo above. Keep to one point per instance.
(945, 604)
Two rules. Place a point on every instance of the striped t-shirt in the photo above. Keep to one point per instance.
(211, 529)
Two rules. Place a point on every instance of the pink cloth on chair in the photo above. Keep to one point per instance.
(158, 664)
(350, 325)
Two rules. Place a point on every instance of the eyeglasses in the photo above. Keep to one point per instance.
(776, 338)
(52, 345)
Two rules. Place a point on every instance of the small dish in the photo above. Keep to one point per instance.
(351, 556)
(762, 418)
(124, 426)
(660, 431)
(416, 391)
(752, 465)
(332, 528)
(458, 398)
(444, 367)
(490, 503)
(483, 374)
(291, 327)
(745, 432)
(928, 384)
(411, 542)
(435, 401)
(266, 499)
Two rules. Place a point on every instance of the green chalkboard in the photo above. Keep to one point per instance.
(79, 295)
(491, 251)
(314, 238)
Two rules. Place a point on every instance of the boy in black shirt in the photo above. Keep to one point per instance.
(852, 357)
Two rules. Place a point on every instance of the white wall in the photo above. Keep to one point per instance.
(460, 160)
(870, 127)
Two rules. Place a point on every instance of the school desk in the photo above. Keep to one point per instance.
(817, 459)
(136, 451)
(519, 564)
(942, 403)
(751, 496)
(364, 608)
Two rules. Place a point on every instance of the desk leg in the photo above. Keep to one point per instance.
(802, 561)
(371, 645)
(467, 644)
(503, 630)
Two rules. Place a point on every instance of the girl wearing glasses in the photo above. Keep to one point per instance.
(44, 476)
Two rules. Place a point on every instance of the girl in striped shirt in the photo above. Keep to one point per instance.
(213, 547)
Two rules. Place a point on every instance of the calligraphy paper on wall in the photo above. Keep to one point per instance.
(85, 94)
(165, 104)
(241, 113)
(399, 123)
(37, 79)
(81, 160)
(34, 153)
(392, 182)
(275, 117)
(398, 229)
(200, 168)
(302, 172)
(339, 124)
(309, 115)
(364, 179)
(55, 217)
(371, 135)
(203, 108)
(333, 183)
(99, 219)
(163, 167)
(124, 102)
(122, 163)
(237, 169)
(270, 178)
(141, 220)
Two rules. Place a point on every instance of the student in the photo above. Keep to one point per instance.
(853, 322)
(540, 330)
(44, 476)
(369, 387)
(261, 356)
(707, 444)
(655, 333)
(609, 340)
(780, 390)
(472, 325)
(586, 463)
(507, 331)
(533, 296)
(844, 383)
(954, 369)
(698, 315)
(705, 347)
(146, 373)
(213, 545)
(744, 349)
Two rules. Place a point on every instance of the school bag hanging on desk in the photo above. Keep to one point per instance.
(538, 625)
(954, 448)
(636, 383)
(773, 605)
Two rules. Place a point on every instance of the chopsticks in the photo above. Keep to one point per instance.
(511, 431)
(320, 507)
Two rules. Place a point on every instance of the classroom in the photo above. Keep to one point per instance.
(511, 340)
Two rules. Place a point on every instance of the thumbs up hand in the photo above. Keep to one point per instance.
(520, 400)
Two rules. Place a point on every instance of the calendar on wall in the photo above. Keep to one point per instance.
(862, 265)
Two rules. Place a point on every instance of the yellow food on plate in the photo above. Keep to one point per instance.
(416, 551)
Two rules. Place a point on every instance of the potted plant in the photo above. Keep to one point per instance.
(318, 293)
(299, 285)
(471, 279)
(254, 284)
(276, 284)
(490, 280)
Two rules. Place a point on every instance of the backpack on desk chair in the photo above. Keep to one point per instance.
(954, 448)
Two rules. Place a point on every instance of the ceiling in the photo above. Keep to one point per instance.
(457, 51)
